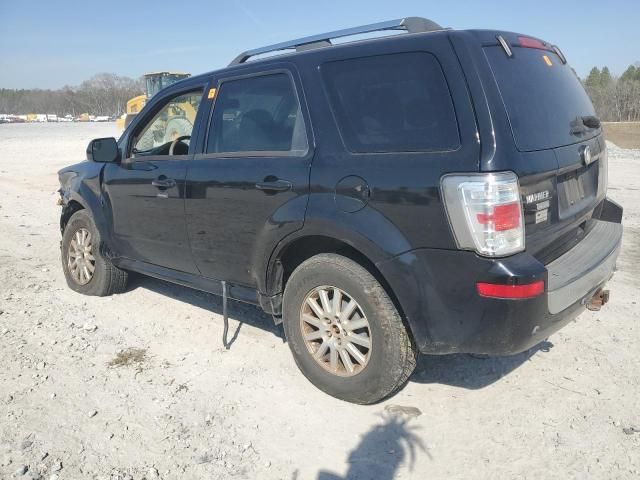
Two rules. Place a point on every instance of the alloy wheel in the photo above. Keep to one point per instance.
(336, 331)
(80, 259)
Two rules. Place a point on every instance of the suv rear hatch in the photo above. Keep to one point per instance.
(562, 155)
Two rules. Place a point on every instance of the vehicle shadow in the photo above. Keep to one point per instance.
(471, 371)
(460, 370)
(243, 313)
(382, 450)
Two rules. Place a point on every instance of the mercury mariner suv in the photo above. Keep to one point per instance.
(432, 191)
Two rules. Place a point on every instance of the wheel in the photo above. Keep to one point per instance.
(86, 270)
(344, 331)
(177, 127)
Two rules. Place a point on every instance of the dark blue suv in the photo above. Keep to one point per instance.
(434, 191)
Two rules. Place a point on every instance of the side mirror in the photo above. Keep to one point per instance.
(103, 150)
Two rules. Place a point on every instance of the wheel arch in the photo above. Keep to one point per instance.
(294, 252)
(81, 189)
(74, 202)
(68, 210)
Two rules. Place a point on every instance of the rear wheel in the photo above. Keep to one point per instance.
(344, 331)
(85, 268)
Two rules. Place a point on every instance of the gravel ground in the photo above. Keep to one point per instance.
(138, 385)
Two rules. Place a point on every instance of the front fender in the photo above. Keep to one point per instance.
(82, 183)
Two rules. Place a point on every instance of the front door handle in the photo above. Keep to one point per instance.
(163, 182)
(274, 186)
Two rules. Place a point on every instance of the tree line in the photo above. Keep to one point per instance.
(102, 94)
(615, 99)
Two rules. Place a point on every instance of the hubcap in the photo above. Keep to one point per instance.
(335, 331)
(80, 259)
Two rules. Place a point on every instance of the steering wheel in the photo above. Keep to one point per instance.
(176, 141)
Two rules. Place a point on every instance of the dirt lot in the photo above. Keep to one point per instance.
(623, 134)
(138, 385)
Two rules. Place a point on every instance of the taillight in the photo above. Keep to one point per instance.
(485, 212)
(502, 217)
(603, 173)
(496, 290)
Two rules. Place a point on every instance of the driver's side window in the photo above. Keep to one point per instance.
(174, 121)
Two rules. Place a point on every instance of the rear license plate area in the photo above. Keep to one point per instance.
(577, 190)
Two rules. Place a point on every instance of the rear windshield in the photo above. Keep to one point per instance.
(544, 98)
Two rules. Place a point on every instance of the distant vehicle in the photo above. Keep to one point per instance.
(51, 117)
(10, 119)
(154, 82)
(100, 118)
(37, 117)
(441, 191)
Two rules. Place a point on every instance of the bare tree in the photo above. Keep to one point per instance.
(615, 99)
(102, 94)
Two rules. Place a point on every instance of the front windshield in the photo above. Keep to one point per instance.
(154, 85)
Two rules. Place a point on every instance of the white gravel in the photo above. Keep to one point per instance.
(182, 407)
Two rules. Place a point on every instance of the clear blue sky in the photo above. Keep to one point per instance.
(50, 43)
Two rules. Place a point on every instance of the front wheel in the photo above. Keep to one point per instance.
(344, 331)
(85, 268)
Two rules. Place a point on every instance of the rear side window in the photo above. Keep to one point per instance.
(544, 99)
(392, 103)
(257, 115)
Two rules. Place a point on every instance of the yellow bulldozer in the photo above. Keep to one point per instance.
(154, 82)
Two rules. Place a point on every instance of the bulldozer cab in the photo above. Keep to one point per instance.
(154, 82)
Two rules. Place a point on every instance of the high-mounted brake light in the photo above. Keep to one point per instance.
(485, 212)
(528, 42)
(496, 290)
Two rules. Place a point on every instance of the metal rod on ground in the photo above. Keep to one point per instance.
(225, 318)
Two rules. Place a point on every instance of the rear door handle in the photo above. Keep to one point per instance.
(164, 182)
(274, 186)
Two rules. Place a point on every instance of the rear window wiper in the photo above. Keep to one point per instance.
(582, 124)
(591, 121)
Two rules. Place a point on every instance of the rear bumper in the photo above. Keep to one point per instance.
(590, 263)
(436, 290)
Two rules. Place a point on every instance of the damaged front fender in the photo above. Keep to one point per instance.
(81, 188)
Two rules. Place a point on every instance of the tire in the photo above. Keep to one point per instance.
(177, 127)
(106, 279)
(391, 356)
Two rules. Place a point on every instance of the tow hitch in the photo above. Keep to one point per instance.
(598, 300)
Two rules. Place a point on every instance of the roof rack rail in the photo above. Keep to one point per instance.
(410, 24)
